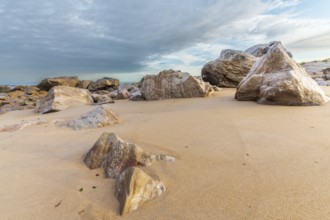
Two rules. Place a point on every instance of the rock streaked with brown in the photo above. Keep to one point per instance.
(229, 69)
(104, 84)
(115, 155)
(61, 97)
(277, 79)
(134, 187)
(84, 84)
(170, 84)
(48, 83)
(100, 116)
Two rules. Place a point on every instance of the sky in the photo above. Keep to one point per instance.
(129, 39)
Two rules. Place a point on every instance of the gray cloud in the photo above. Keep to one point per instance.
(41, 38)
(38, 37)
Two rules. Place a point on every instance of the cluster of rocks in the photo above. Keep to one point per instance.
(319, 71)
(265, 73)
(233, 65)
(20, 97)
(120, 160)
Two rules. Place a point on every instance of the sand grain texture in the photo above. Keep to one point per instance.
(235, 160)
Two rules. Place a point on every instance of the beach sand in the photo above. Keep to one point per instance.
(235, 160)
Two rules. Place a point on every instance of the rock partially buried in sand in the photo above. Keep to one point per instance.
(100, 116)
(170, 84)
(134, 187)
(61, 97)
(48, 83)
(277, 79)
(115, 155)
(229, 69)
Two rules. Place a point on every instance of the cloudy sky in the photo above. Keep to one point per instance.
(131, 38)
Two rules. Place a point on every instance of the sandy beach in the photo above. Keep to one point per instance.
(235, 160)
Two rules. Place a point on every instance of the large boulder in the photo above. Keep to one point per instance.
(261, 49)
(48, 83)
(100, 116)
(229, 69)
(277, 79)
(115, 155)
(104, 84)
(61, 97)
(102, 99)
(170, 84)
(134, 187)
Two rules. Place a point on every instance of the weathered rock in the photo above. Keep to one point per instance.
(104, 84)
(261, 49)
(48, 83)
(277, 79)
(134, 187)
(102, 99)
(100, 116)
(122, 93)
(4, 89)
(16, 94)
(326, 73)
(84, 84)
(115, 155)
(137, 96)
(170, 84)
(61, 97)
(229, 69)
(32, 90)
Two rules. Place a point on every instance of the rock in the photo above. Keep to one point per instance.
(104, 84)
(134, 187)
(229, 69)
(122, 93)
(84, 84)
(261, 49)
(115, 155)
(170, 84)
(277, 79)
(4, 89)
(31, 90)
(61, 97)
(102, 99)
(137, 96)
(326, 73)
(16, 94)
(48, 83)
(100, 116)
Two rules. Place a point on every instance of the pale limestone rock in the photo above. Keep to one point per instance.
(100, 116)
(277, 79)
(229, 69)
(61, 97)
(134, 187)
(48, 83)
(170, 84)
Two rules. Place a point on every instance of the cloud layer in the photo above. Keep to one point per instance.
(130, 38)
